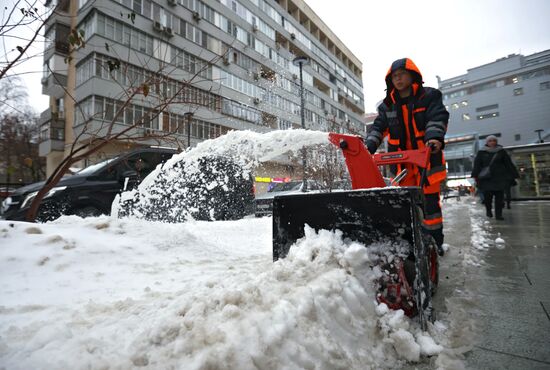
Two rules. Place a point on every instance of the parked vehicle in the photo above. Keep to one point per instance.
(264, 202)
(89, 192)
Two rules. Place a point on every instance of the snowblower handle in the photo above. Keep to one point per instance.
(419, 157)
(363, 167)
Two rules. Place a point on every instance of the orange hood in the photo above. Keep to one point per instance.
(406, 64)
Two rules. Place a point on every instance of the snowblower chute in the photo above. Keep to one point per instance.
(370, 213)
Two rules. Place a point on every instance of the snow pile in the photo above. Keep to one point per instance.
(107, 293)
(213, 180)
(481, 239)
(499, 242)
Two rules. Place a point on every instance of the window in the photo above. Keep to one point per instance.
(466, 117)
(455, 94)
(518, 91)
(137, 6)
(517, 137)
(487, 116)
(544, 85)
(487, 107)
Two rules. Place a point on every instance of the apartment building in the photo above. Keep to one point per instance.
(216, 66)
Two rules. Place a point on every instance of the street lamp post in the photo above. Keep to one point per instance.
(299, 62)
(188, 115)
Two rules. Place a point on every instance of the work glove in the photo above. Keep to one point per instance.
(371, 147)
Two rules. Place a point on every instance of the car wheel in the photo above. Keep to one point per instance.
(89, 211)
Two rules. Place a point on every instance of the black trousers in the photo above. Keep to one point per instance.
(499, 201)
(433, 219)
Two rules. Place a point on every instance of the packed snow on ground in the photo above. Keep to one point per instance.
(110, 293)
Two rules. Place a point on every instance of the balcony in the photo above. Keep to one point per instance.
(53, 84)
(57, 40)
(52, 133)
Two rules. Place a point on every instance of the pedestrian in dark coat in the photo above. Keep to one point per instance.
(412, 116)
(501, 168)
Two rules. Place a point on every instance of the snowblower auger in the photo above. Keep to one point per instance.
(372, 212)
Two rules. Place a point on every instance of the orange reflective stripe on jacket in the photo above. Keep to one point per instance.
(406, 122)
(436, 223)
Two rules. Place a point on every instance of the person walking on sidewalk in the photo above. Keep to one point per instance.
(492, 171)
(413, 117)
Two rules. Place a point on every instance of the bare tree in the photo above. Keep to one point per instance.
(18, 134)
(325, 165)
(20, 31)
(154, 91)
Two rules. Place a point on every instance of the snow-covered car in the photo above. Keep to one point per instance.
(264, 202)
(90, 191)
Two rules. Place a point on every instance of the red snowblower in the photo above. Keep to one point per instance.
(371, 213)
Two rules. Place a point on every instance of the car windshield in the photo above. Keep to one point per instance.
(286, 186)
(95, 167)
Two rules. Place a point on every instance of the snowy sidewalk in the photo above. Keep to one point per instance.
(514, 292)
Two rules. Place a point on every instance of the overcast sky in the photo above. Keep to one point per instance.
(443, 37)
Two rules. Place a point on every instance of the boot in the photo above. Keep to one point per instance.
(488, 212)
(498, 212)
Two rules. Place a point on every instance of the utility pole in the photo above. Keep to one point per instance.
(300, 61)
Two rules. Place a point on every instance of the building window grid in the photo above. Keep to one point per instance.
(167, 20)
(102, 108)
(146, 41)
(499, 83)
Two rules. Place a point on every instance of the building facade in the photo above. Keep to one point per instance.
(508, 98)
(194, 68)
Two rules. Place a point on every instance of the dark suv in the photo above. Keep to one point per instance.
(89, 192)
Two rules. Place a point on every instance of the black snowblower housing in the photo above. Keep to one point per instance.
(372, 212)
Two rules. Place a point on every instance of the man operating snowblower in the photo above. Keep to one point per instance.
(414, 117)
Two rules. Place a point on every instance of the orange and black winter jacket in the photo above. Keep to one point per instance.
(410, 123)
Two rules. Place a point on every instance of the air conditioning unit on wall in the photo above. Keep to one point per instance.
(157, 26)
(196, 16)
(256, 101)
(173, 2)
